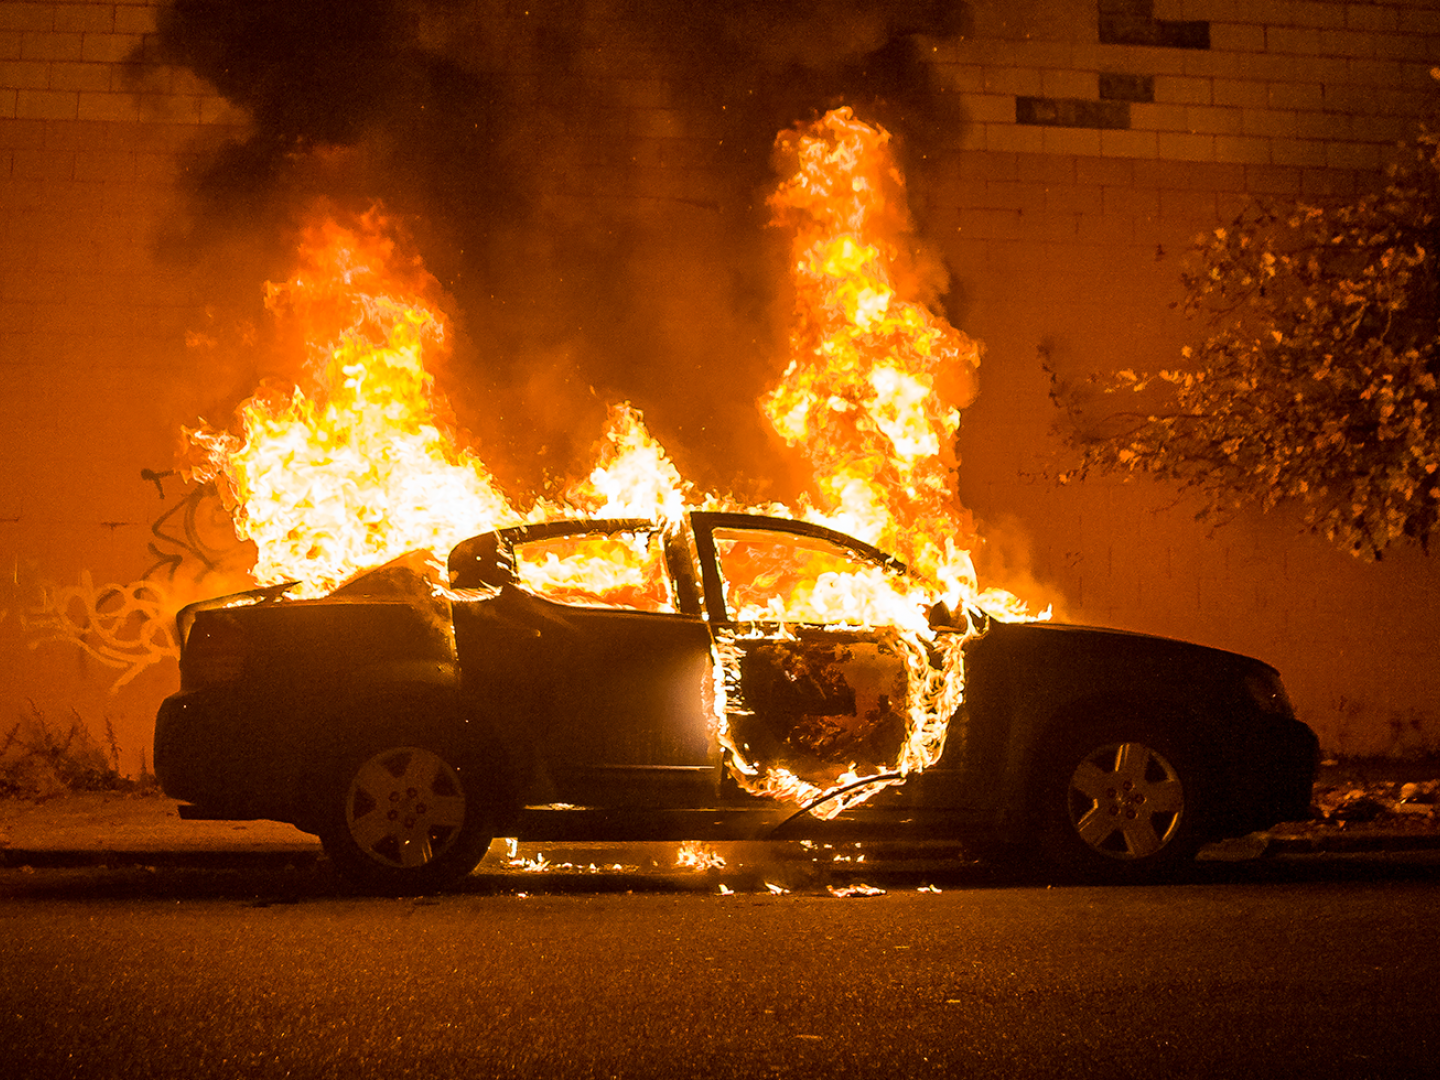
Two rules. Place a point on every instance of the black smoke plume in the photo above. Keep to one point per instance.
(587, 181)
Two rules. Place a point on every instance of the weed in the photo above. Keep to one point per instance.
(40, 759)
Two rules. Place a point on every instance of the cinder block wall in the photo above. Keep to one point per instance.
(1103, 141)
(94, 141)
(1097, 138)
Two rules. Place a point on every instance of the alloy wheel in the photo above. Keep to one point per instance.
(1126, 801)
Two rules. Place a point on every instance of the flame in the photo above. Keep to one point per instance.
(625, 570)
(872, 397)
(696, 855)
(876, 381)
(358, 467)
(359, 471)
(634, 476)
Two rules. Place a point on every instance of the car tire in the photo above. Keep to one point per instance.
(406, 819)
(1118, 803)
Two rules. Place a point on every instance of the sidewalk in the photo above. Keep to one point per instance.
(1375, 806)
(112, 828)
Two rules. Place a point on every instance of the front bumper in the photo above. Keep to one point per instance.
(1269, 776)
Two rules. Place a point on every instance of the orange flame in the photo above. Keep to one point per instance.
(361, 472)
(876, 381)
(872, 397)
(634, 476)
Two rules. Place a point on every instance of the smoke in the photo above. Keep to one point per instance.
(585, 179)
(1004, 559)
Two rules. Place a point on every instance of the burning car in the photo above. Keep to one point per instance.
(631, 658)
(712, 688)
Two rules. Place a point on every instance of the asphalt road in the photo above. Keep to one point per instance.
(1306, 968)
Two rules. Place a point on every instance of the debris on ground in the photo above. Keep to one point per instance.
(859, 889)
(1343, 800)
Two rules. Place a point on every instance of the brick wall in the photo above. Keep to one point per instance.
(1304, 85)
(84, 61)
(1097, 137)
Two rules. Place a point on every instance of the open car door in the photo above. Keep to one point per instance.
(810, 692)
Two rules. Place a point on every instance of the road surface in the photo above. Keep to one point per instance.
(1321, 969)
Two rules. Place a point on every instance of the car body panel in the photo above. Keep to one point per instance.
(610, 705)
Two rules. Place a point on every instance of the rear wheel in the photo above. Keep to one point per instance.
(1119, 803)
(406, 819)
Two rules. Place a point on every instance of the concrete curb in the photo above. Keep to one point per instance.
(1351, 843)
(306, 857)
(57, 859)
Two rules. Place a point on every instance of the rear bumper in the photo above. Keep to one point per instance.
(185, 764)
(215, 751)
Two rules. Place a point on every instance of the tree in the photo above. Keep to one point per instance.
(1317, 383)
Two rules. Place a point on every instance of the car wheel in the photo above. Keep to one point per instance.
(406, 819)
(1119, 804)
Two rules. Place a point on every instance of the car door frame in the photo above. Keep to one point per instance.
(946, 789)
(488, 562)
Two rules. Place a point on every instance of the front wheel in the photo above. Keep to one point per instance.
(406, 819)
(1118, 804)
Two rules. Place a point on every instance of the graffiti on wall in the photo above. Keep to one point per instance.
(194, 534)
(123, 626)
(131, 627)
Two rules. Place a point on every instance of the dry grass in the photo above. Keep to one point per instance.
(40, 759)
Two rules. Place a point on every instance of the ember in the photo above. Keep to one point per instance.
(357, 468)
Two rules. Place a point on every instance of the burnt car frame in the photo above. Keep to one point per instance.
(408, 726)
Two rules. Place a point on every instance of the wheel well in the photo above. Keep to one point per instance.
(425, 715)
(1124, 817)
(1180, 725)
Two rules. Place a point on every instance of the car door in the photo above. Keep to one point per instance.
(588, 655)
(809, 692)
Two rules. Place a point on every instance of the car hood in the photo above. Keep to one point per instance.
(1131, 641)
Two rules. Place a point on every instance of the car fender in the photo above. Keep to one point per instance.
(1028, 685)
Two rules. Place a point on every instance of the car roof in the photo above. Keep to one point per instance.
(486, 557)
